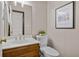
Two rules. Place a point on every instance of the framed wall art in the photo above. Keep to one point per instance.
(65, 16)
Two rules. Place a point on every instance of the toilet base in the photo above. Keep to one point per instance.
(49, 52)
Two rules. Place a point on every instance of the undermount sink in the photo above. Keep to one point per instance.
(16, 43)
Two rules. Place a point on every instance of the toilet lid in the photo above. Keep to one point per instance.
(50, 51)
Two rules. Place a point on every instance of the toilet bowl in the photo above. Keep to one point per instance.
(49, 52)
(45, 49)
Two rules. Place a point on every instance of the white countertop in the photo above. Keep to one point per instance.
(18, 43)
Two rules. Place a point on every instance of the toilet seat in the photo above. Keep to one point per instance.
(48, 51)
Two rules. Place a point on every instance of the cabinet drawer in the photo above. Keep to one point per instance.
(29, 50)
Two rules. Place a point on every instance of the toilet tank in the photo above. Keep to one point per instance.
(43, 40)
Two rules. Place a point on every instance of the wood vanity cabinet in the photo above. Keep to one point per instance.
(23, 51)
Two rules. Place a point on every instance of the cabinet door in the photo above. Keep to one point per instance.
(24, 51)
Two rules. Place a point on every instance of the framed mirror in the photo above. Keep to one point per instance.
(20, 22)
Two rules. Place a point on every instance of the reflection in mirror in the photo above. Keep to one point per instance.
(19, 20)
(17, 23)
(8, 29)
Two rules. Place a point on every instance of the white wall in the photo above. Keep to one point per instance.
(66, 41)
(39, 16)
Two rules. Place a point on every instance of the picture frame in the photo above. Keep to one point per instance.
(64, 18)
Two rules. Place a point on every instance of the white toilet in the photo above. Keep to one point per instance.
(46, 50)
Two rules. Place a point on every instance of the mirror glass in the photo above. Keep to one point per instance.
(19, 22)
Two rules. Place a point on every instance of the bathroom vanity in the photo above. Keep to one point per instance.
(21, 48)
(17, 22)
